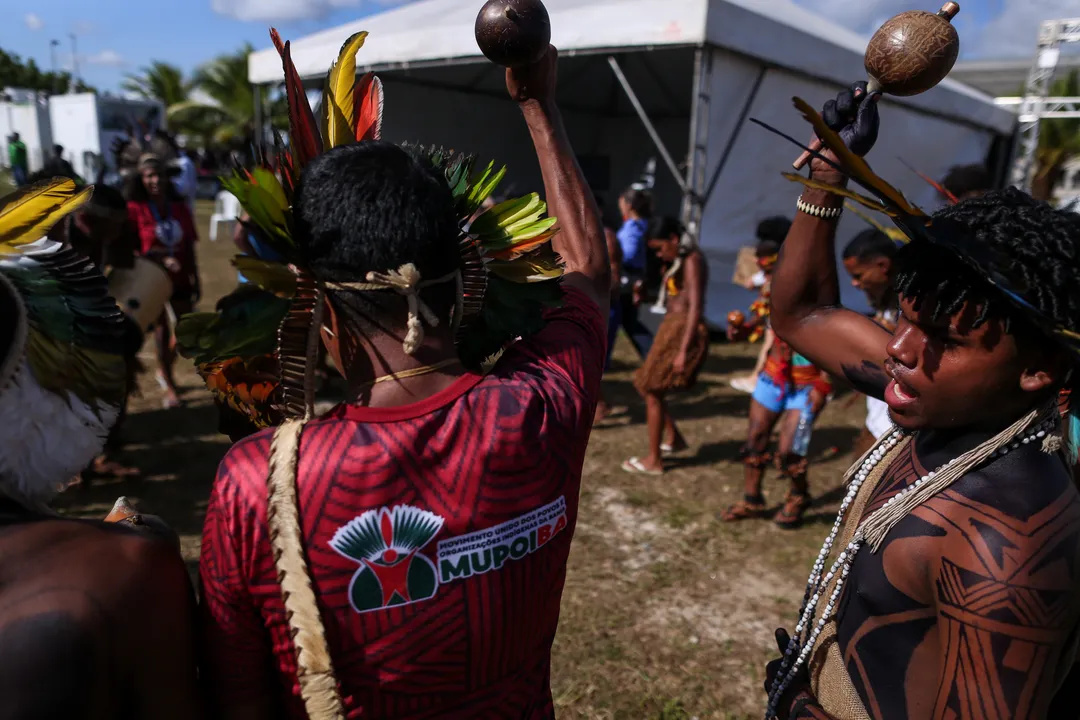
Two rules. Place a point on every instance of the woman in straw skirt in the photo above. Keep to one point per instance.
(680, 347)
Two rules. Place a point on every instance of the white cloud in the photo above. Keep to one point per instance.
(1011, 32)
(1015, 31)
(83, 27)
(108, 58)
(278, 10)
(287, 10)
(33, 21)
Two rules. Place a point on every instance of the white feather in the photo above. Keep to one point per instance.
(47, 439)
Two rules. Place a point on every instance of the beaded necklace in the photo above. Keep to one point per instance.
(807, 631)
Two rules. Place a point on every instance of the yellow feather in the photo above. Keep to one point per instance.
(338, 95)
(895, 234)
(866, 218)
(30, 213)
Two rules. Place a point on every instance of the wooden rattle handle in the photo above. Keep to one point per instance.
(871, 88)
(805, 157)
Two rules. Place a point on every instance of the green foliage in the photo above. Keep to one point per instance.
(160, 81)
(1060, 133)
(15, 72)
(225, 116)
(1059, 140)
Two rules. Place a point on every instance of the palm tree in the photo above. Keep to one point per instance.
(160, 81)
(1059, 141)
(226, 116)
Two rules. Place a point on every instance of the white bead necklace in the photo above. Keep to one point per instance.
(799, 649)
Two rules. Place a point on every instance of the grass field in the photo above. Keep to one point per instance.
(667, 612)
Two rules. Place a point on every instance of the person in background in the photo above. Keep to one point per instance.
(603, 408)
(58, 166)
(968, 181)
(166, 232)
(20, 167)
(788, 392)
(680, 347)
(636, 208)
(187, 180)
(100, 232)
(770, 236)
(419, 449)
(868, 259)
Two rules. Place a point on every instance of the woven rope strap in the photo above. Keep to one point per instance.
(405, 281)
(315, 671)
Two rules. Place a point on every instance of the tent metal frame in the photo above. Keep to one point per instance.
(1036, 106)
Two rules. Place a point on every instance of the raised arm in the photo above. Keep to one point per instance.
(806, 309)
(580, 241)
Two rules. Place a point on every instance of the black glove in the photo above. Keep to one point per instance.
(799, 683)
(853, 115)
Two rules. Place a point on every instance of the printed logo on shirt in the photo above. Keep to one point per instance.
(393, 572)
(485, 550)
(387, 544)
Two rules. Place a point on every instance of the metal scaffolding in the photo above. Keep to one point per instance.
(1036, 105)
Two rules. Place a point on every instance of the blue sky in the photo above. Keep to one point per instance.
(115, 37)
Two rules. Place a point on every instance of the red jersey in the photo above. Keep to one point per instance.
(437, 536)
(169, 235)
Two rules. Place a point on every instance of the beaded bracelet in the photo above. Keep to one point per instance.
(818, 211)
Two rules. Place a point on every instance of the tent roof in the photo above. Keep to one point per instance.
(776, 32)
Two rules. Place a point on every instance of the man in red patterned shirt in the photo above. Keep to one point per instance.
(437, 516)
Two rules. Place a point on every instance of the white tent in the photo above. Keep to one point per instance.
(699, 69)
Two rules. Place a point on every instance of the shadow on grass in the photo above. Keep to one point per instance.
(177, 452)
(827, 443)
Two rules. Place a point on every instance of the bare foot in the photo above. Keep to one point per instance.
(603, 410)
(103, 466)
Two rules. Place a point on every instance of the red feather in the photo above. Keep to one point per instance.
(304, 135)
(936, 185)
(369, 107)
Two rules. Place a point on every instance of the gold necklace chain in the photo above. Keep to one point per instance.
(414, 372)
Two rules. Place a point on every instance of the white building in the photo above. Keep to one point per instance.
(86, 125)
(26, 113)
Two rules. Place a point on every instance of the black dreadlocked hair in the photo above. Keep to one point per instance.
(771, 233)
(1040, 244)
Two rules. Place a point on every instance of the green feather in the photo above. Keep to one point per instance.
(245, 327)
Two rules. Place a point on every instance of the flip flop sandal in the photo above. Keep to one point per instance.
(743, 510)
(669, 450)
(790, 516)
(634, 466)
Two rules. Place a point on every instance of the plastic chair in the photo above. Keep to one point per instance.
(226, 210)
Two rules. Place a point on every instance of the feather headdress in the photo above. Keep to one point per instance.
(508, 271)
(62, 372)
(506, 276)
